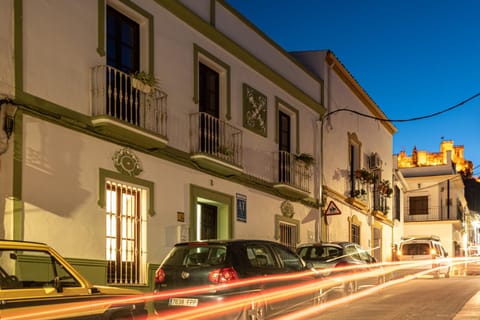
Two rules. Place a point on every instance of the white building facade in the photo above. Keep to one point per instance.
(129, 126)
(112, 173)
(434, 204)
(356, 173)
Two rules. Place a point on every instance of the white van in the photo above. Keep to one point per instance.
(419, 248)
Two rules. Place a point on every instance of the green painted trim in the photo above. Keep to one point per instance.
(18, 212)
(104, 174)
(101, 28)
(280, 218)
(151, 37)
(183, 13)
(51, 110)
(285, 53)
(18, 43)
(212, 13)
(215, 196)
(197, 52)
(279, 101)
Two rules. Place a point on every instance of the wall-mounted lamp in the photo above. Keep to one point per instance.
(7, 121)
(7, 117)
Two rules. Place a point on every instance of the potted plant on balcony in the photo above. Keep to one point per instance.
(365, 176)
(225, 150)
(384, 188)
(306, 159)
(143, 81)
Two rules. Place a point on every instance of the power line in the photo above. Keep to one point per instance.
(405, 120)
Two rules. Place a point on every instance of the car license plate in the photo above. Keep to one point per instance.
(185, 302)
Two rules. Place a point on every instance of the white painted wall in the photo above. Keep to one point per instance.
(442, 230)
(61, 193)
(6, 49)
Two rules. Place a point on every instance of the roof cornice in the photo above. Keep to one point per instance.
(345, 75)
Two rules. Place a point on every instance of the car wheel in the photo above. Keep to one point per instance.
(320, 297)
(436, 275)
(381, 279)
(349, 288)
(257, 310)
(447, 274)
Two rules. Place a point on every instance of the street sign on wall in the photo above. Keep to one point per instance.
(332, 209)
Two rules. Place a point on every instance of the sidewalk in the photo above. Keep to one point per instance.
(471, 309)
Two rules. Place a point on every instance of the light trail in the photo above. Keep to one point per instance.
(242, 301)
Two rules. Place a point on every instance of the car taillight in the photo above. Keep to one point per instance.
(342, 264)
(159, 275)
(223, 275)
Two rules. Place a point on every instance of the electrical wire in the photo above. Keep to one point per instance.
(461, 103)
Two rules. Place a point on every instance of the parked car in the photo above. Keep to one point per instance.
(218, 263)
(37, 283)
(424, 248)
(335, 258)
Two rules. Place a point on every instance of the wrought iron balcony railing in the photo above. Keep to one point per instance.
(119, 95)
(446, 213)
(216, 138)
(291, 171)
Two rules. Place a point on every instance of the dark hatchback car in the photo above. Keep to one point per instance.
(336, 255)
(215, 264)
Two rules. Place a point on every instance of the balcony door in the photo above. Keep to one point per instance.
(123, 35)
(209, 108)
(284, 145)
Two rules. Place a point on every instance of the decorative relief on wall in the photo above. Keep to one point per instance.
(254, 110)
(127, 163)
(287, 209)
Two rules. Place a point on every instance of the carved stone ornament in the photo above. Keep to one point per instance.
(287, 209)
(254, 110)
(127, 163)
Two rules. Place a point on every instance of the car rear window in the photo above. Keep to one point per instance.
(320, 252)
(192, 255)
(416, 249)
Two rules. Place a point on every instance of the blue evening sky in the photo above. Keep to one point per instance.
(413, 57)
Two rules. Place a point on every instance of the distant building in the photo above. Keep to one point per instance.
(421, 158)
(433, 198)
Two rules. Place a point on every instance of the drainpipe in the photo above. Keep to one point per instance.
(322, 119)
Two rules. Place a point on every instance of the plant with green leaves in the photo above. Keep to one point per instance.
(145, 78)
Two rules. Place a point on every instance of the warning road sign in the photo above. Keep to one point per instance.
(332, 209)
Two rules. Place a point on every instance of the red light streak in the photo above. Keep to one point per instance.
(268, 296)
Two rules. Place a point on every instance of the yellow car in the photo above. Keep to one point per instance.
(37, 283)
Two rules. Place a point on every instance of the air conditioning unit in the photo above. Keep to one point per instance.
(374, 161)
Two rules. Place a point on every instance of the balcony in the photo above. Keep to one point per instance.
(215, 145)
(126, 111)
(434, 214)
(291, 176)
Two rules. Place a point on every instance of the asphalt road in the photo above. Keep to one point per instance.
(419, 299)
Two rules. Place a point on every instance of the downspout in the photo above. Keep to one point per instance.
(322, 119)
(448, 199)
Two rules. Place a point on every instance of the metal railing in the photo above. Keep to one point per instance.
(434, 214)
(117, 94)
(216, 138)
(291, 171)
